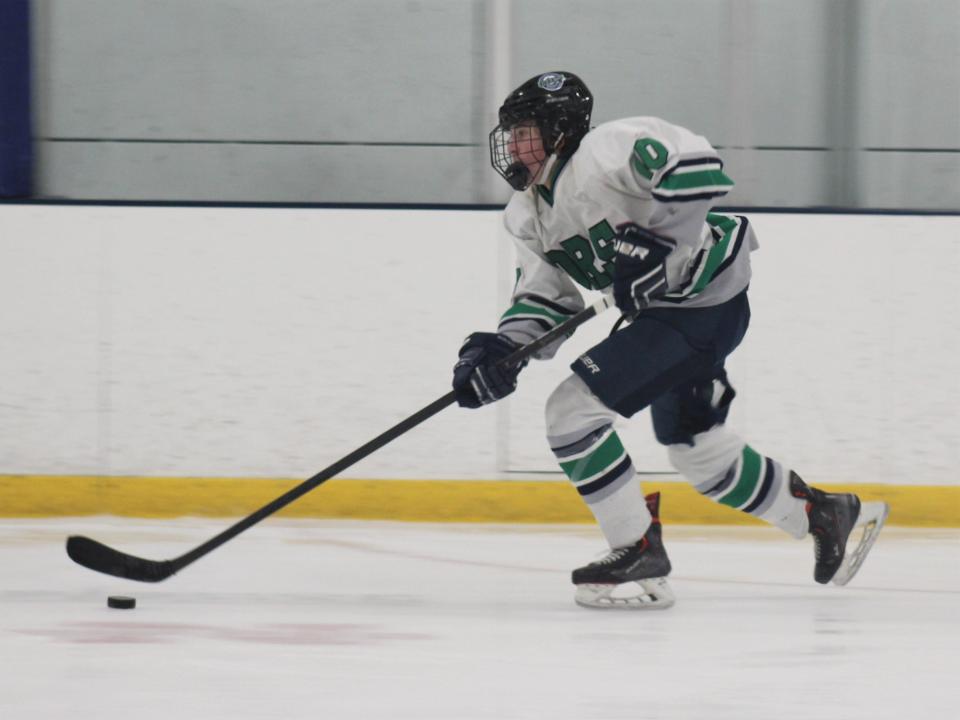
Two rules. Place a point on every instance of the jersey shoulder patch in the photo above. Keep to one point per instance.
(654, 157)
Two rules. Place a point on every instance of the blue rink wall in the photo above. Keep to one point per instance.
(198, 360)
(16, 149)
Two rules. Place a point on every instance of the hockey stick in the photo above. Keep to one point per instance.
(102, 558)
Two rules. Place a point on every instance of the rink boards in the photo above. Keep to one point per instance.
(167, 361)
(507, 501)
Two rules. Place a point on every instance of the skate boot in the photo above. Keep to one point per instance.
(833, 519)
(644, 564)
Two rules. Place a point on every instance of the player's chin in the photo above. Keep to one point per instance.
(535, 168)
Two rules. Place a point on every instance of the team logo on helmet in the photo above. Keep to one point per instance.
(551, 81)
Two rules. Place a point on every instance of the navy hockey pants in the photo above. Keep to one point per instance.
(671, 359)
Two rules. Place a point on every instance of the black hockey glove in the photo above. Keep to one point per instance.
(639, 270)
(477, 379)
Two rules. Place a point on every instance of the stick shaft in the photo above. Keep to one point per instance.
(321, 477)
(384, 438)
(102, 558)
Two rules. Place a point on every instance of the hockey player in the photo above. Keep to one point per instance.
(624, 208)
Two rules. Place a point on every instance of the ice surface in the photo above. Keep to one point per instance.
(330, 620)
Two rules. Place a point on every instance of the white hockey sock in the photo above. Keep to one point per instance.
(623, 515)
(581, 435)
(602, 472)
(723, 467)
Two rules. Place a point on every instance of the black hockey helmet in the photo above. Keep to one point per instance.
(559, 103)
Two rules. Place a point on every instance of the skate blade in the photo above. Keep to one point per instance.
(655, 594)
(871, 518)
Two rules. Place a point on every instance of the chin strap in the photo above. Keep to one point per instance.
(518, 176)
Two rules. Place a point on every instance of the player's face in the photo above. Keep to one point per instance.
(526, 146)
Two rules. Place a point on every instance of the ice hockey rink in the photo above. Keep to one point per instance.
(360, 619)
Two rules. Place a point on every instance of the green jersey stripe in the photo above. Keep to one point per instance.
(522, 309)
(698, 181)
(724, 222)
(746, 485)
(710, 261)
(718, 253)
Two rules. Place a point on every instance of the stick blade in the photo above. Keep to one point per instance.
(97, 556)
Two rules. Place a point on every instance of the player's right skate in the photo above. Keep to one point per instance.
(833, 520)
(644, 564)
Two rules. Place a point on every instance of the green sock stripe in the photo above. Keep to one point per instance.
(596, 462)
(748, 480)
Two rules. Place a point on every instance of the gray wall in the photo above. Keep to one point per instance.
(820, 103)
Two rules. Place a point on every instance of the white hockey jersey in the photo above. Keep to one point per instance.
(645, 170)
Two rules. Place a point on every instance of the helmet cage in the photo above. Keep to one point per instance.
(510, 169)
(559, 104)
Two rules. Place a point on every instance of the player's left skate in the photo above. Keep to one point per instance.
(609, 582)
(834, 522)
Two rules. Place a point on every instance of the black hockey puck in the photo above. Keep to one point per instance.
(121, 603)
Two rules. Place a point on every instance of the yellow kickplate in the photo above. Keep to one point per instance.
(502, 501)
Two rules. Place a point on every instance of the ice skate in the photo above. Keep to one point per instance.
(644, 564)
(834, 519)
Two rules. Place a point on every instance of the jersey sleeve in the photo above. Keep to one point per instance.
(675, 176)
(543, 295)
(672, 176)
(656, 159)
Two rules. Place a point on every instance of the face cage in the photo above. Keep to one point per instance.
(513, 171)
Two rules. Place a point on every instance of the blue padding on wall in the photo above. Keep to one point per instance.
(16, 151)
